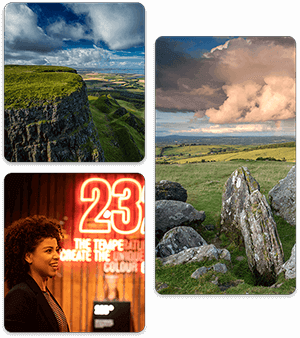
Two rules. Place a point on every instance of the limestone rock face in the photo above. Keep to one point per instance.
(247, 216)
(283, 197)
(167, 190)
(58, 130)
(178, 239)
(171, 214)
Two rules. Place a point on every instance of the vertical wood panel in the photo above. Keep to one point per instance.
(77, 284)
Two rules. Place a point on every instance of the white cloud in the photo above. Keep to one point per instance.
(239, 128)
(60, 29)
(79, 57)
(22, 31)
(119, 25)
(243, 80)
(230, 129)
(251, 102)
(220, 47)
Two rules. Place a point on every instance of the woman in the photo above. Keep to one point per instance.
(31, 257)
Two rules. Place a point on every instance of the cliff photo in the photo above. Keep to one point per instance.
(50, 117)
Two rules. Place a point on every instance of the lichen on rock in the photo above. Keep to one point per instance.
(246, 218)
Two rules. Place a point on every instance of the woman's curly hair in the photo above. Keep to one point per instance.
(24, 236)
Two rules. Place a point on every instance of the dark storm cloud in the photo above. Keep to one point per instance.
(241, 80)
(179, 77)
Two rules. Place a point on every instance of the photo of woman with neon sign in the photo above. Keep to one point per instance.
(32, 249)
(95, 267)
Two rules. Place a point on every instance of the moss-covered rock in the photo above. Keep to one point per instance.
(167, 190)
(238, 186)
(246, 218)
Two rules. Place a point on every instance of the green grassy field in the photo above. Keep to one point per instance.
(120, 141)
(27, 86)
(208, 153)
(204, 183)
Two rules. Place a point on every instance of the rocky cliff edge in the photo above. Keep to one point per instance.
(47, 116)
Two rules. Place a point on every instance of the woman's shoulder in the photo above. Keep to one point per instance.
(19, 292)
(20, 306)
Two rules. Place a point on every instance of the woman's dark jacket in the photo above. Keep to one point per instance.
(27, 310)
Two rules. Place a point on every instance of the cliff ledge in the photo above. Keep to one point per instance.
(47, 116)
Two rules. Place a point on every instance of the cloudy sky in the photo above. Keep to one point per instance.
(234, 86)
(82, 35)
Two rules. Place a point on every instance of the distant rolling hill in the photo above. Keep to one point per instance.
(121, 127)
(229, 140)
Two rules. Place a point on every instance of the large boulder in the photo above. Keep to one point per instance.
(247, 217)
(167, 190)
(289, 267)
(171, 214)
(178, 239)
(283, 197)
(199, 254)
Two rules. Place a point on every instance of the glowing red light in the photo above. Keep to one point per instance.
(108, 206)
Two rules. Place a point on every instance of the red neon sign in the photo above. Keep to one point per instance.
(110, 205)
(129, 195)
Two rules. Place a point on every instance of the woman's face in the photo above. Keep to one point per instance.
(44, 259)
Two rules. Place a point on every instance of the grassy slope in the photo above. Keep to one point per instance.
(204, 183)
(27, 86)
(112, 129)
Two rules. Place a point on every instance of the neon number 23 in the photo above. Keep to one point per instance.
(129, 195)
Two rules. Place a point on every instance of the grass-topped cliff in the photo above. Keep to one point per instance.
(47, 116)
(28, 86)
(43, 103)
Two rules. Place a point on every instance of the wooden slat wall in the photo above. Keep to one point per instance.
(78, 283)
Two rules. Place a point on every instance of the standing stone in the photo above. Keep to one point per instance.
(283, 197)
(170, 214)
(167, 190)
(247, 217)
(239, 186)
(263, 246)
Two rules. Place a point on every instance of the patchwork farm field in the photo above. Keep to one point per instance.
(223, 153)
(96, 82)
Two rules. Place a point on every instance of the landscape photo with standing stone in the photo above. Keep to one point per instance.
(225, 191)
